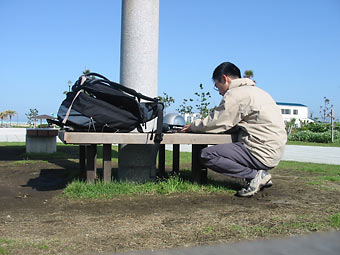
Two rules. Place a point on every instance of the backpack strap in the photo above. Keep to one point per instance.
(123, 88)
(69, 109)
(159, 130)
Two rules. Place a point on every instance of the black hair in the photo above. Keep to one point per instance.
(228, 69)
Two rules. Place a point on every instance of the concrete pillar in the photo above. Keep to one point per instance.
(139, 70)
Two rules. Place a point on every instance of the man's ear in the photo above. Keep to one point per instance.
(225, 78)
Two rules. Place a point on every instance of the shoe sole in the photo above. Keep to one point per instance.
(267, 184)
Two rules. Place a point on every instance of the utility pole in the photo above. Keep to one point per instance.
(332, 125)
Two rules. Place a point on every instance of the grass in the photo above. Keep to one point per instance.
(313, 144)
(335, 220)
(274, 226)
(271, 227)
(99, 190)
(9, 246)
(324, 169)
(320, 175)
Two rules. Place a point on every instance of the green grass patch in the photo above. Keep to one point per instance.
(26, 162)
(335, 221)
(174, 184)
(335, 144)
(320, 175)
(6, 246)
(322, 169)
(12, 144)
(280, 226)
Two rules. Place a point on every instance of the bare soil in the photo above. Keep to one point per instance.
(36, 219)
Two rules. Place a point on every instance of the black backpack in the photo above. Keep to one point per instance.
(97, 104)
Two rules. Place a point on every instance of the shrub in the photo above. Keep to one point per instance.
(318, 126)
(315, 137)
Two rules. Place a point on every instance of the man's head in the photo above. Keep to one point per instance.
(223, 74)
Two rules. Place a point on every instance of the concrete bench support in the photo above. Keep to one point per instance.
(41, 140)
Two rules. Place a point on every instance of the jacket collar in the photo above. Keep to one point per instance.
(241, 82)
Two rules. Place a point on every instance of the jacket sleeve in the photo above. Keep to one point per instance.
(223, 118)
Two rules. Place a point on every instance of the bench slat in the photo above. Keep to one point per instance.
(141, 138)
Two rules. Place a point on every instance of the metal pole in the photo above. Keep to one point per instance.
(332, 126)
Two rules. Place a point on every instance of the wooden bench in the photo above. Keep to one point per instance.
(88, 149)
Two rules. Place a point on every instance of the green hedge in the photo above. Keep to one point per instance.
(315, 137)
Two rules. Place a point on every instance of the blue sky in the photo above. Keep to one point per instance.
(292, 46)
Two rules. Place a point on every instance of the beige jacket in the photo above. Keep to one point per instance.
(256, 116)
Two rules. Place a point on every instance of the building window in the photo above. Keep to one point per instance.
(285, 111)
(295, 112)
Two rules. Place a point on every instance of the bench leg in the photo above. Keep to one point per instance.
(82, 161)
(175, 159)
(107, 152)
(198, 173)
(91, 166)
(161, 160)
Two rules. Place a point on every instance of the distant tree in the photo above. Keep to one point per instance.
(167, 100)
(248, 74)
(326, 109)
(290, 125)
(3, 116)
(10, 114)
(31, 116)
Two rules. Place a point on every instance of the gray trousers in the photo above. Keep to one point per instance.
(232, 159)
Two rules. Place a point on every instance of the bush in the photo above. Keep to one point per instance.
(318, 126)
(315, 137)
(43, 126)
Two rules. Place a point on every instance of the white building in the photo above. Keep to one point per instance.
(290, 111)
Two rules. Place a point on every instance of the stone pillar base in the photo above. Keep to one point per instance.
(137, 162)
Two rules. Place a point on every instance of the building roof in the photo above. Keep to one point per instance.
(290, 104)
(43, 117)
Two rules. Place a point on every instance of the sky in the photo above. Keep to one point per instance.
(293, 48)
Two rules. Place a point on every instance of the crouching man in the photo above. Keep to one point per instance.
(255, 122)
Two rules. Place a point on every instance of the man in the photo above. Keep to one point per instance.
(255, 122)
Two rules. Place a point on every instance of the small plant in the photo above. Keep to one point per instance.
(167, 100)
(202, 104)
(31, 117)
(185, 107)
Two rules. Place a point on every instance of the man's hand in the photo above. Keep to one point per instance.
(186, 128)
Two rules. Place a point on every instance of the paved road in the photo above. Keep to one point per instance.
(314, 154)
(315, 244)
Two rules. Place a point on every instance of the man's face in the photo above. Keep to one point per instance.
(223, 85)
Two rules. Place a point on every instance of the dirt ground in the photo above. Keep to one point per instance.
(36, 219)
